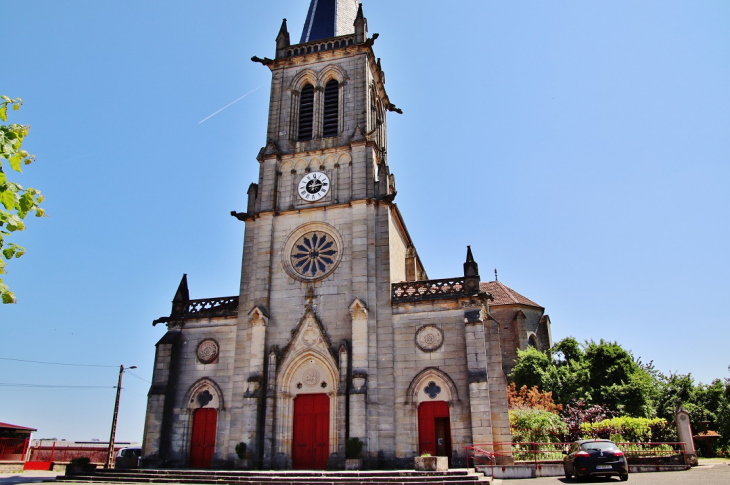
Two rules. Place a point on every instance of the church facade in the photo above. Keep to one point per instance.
(336, 331)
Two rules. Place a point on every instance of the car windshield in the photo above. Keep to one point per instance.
(599, 446)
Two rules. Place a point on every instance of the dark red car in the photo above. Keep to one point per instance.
(592, 458)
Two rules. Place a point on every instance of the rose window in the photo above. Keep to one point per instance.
(314, 254)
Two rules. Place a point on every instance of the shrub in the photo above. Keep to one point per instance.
(532, 425)
(353, 448)
(241, 450)
(624, 428)
(80, 461)
(531, 399)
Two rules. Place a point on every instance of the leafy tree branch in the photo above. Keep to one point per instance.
(16, 202)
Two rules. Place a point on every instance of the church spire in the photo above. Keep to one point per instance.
(282, 40)
(361, 26)
(182, 295)
(471, 272)
(329, 18)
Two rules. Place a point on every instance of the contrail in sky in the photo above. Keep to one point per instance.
(229, 104)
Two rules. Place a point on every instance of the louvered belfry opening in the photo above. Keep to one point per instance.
(330, 126)
(306, 113)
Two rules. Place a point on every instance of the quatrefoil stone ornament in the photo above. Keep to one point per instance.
(432, 390)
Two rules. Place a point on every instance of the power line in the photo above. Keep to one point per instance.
(53, 386)
(138, 377)
(58, 363)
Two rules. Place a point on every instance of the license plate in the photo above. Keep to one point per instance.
(603, 467)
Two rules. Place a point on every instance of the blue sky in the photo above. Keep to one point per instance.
(581, 148)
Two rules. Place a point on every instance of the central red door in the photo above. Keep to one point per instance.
(202, 444)
(310, 443)
(434, 433)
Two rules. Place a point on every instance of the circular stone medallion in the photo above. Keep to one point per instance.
(207, 351)
(429, 338)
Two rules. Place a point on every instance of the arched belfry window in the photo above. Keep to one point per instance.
(306, 113)
(330, 126)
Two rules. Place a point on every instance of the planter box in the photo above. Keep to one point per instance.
(72, 470)
(431, 463)
(353, 464)
(244, 464)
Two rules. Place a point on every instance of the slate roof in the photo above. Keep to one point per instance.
(504, 295)
(329, 18)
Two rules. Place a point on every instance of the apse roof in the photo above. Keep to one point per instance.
(329, 18)
(504, 295)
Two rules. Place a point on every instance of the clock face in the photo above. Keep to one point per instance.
(314, 186)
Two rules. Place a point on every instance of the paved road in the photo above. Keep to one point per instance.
(718, 474)
(701, 475)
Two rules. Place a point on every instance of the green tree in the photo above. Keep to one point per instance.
(618, 381)
(15, 201)
(597, 372)
(531, 369)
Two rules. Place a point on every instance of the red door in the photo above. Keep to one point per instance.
(434, 433)
(311, 444)
(202, 444)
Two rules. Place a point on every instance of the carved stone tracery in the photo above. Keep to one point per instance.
(429, 338)
(207, 351)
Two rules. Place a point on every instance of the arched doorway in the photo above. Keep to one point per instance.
(432, 392)
(310, 440)
(204, 402)
(307, 407)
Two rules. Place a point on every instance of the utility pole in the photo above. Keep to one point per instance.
(110, 450)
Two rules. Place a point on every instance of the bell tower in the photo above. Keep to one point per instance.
(328, 100)
(318, 236)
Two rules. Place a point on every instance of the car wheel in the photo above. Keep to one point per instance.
(624, 477)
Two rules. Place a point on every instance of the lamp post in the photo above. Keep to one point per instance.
(110, 451)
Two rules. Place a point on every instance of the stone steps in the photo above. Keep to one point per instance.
(189, 477)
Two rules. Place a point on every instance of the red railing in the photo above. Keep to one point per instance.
(62, 452)
(13, 449)
(542, 453)
(646, 450)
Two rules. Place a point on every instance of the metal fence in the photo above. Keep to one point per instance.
(526, 453)
(13, 449)
(64, 452)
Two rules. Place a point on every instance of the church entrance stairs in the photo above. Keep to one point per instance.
(191, 477)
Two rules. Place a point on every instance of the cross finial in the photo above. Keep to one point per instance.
(495, 275)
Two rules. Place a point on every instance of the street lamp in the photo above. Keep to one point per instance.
(110, 451)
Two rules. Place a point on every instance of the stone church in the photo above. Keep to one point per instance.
(336, 331)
